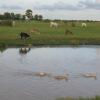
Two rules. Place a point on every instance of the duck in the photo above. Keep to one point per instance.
(40, 74)
(61, 77)
(90, 75)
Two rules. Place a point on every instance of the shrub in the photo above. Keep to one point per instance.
(73, 25)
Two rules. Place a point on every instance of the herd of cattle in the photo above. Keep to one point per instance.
(54, 24)
(25, 35)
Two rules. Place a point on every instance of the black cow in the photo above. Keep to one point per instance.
(24, 35)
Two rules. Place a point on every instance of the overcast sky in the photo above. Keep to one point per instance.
(55, 9)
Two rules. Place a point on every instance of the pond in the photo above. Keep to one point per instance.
(18, 65)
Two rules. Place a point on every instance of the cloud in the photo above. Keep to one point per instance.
(89, 4)
(57, 6)
(14, 7)
(49, 5)
(61, 5)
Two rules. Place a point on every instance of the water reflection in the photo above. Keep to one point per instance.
(24, 50)
(2, 48)
(47, 73)
(98, 53)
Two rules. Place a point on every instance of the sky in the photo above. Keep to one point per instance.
(55, 9)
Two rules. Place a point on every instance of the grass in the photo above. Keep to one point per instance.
(68, 98)
(50, 36)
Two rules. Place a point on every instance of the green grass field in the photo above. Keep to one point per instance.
(50, 36)
(68, 98)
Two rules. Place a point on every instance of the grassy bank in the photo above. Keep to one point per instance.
(68, 98)
(50, 36)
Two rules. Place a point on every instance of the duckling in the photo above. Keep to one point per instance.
(90, 75)
(61, 77)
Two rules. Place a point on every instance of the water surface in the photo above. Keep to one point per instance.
(17, 81)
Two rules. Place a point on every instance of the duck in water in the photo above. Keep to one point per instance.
(41, 74)
(61, 77)
(90, 75)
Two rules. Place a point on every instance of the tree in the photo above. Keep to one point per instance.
(2, 17)
(12, 16)
(40, 17)
(7, 15)
(18, 16)
(23, 17)
(36, 17)
(29, 13)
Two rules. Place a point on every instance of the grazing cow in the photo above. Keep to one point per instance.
(24, 35)
(68, 32)
(53, 24)
(84, 25)
(35, 31)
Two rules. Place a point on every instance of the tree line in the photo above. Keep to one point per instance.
(27, 16)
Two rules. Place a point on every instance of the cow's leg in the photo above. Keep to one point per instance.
(21, 37)
(25, 37)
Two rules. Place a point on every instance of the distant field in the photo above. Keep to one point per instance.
(50, 36)
(95, 98)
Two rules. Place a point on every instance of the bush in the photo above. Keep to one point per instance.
(46, 20)
(73, 25)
